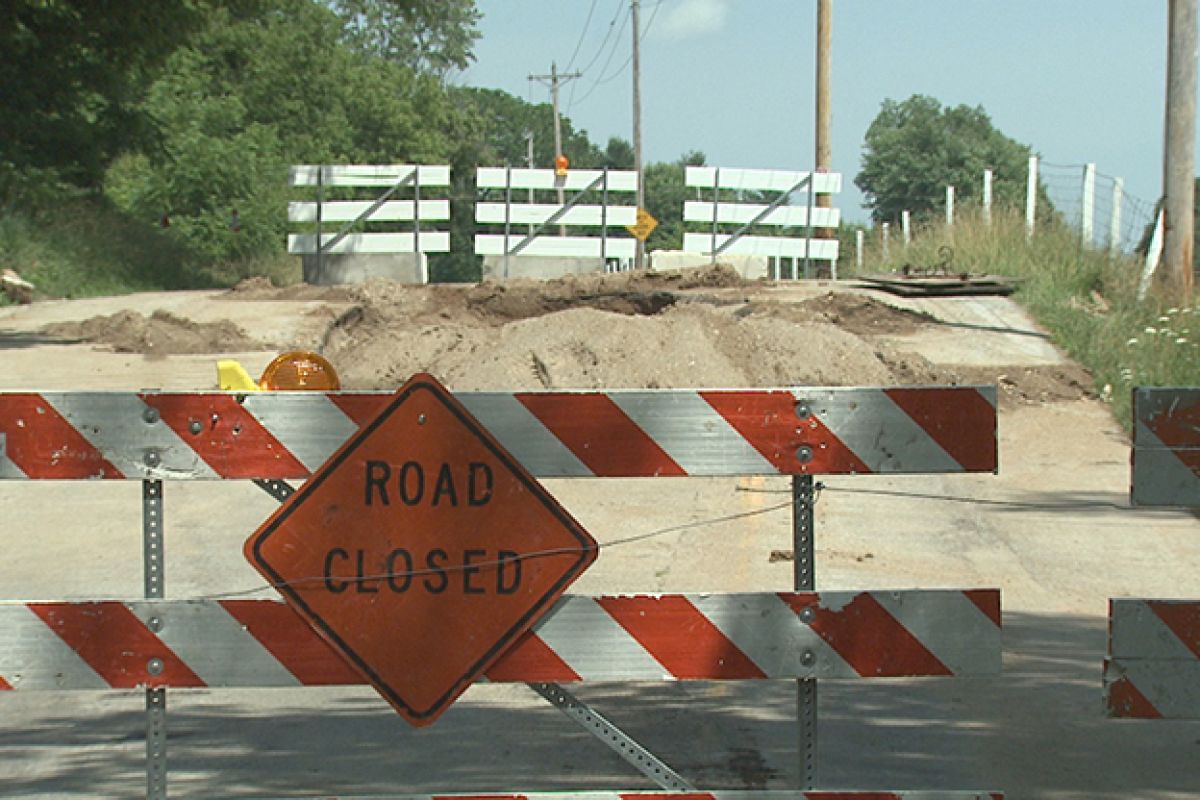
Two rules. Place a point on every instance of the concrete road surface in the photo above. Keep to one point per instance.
(1053, 530)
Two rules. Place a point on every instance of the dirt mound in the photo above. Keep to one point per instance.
(159, 334)
(261, 288)
(581, 348)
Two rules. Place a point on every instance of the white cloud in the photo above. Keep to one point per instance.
(689, 18)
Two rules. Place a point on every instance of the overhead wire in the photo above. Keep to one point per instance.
(586, 23)
(603, 79)
(549, 553)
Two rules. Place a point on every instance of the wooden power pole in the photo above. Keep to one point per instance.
(1175, 278)
(824, 154)
(553, 80)
(635, 13)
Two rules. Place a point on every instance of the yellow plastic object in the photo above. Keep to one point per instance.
(561, 165)
(300, 370)
(232, 377)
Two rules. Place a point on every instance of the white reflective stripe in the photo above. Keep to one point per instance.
(213, 644)
(594, 644)
(523, 435)
(771, 634)
(32, 656)
(308, 424)
(948, 625)
(115, 424)
(1137, 632)
(8, 469)
(1172, 686)
(692, 433)
(878, 431)
(1159, 477)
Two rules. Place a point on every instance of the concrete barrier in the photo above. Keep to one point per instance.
(538, 267)
(749, 267)
(359, 268)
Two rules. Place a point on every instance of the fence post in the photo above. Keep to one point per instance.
(885, 241)
(1031, 184)
(1114, 226)
(1087, 204)
(906, 227)
(987, 196)
(949, 206)
(858, 250)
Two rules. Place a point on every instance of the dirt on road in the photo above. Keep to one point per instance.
(707, 327)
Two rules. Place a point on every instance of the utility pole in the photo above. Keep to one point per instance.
(635, 11)
(553, 80)
(1175, 278)
(824, 155)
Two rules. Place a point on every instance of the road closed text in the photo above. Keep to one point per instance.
(431, 567)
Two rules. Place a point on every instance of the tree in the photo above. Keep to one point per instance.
(914, 149)
(426, 35)
(71, 73)
(254, 94)
(665, 195)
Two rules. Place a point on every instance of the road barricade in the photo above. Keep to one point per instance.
(180, 643)
(1153, 665)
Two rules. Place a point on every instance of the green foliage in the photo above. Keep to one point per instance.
(915, 148)
(71, 75)
(665, 195)
(253, 95)
(82, 246)
(433, 36)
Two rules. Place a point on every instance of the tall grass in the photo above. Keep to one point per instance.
(1085, 298)
(81, 246)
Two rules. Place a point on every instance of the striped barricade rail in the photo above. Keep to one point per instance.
(271, 438)
(269, 435)
(259, 643)
(1166, 447)
(1153, 665)
(732, 794)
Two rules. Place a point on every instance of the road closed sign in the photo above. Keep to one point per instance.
(421, 550)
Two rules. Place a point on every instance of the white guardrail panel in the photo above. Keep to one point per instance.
(431, 242)
(368, 174)
(760, 180)
(574, 181)
(348, 210)
(776, 246)
(743, 213)
(487, 244)
(538, 213)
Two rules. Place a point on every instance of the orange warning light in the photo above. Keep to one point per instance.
(561, 165)
(299, 369)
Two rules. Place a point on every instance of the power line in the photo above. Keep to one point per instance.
(620, 70)
(587, 22)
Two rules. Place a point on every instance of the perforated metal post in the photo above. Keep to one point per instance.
(804, 565)
(153, 562)
(622, 743)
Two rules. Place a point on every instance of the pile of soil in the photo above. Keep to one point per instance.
(159, 334)
(706, 327)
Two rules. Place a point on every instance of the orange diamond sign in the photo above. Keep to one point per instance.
(421, 550)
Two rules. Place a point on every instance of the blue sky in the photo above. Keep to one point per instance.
(1078, 81)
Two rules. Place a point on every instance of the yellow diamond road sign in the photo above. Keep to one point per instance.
(645, 225)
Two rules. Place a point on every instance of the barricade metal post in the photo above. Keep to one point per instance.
(153, 561)
(803, 560)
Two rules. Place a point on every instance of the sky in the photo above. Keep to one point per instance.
(1077, 81)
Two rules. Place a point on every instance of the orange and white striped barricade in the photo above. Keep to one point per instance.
(270, 438)
(1166, 447)
(1153, 665)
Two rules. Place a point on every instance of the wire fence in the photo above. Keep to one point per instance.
(1096, 205)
